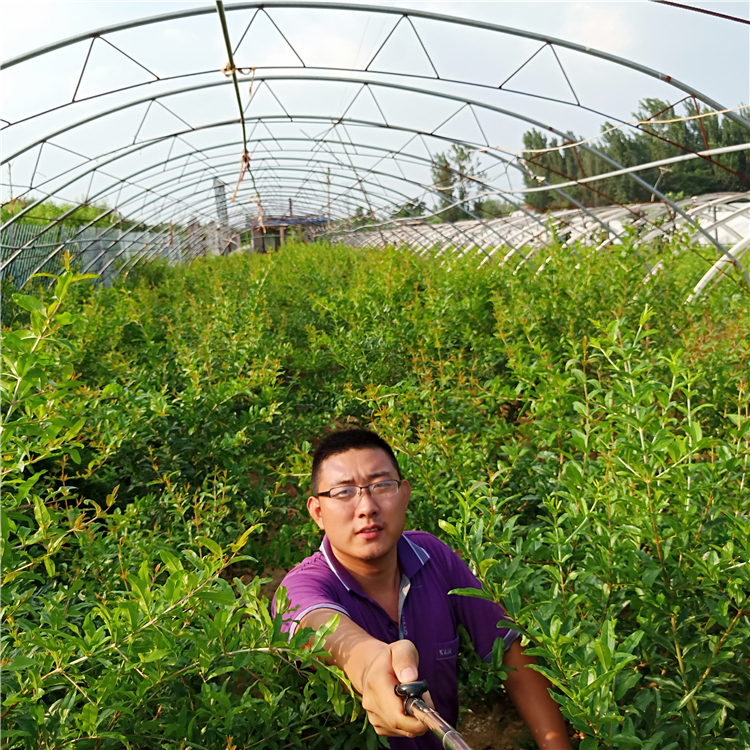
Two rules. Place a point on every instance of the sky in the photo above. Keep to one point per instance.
(709, 54)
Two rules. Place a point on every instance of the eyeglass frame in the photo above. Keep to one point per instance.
(367, 487)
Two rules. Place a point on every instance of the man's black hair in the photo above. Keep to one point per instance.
(347, 440)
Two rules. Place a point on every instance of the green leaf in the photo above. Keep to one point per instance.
(41, 513)
(478, 593)
(688, 697)
(74, 430)
(88, 716)
(325, 630)
(498, 649)
(624, 682)
(85, 276)
(485, 565)
(448, 528)
(155, 655)
(18, 663)
(240, 543)
(695, 432)
(211, 544)
(32, 304)
(25, 486)
(171, 561)
(63, 282)
(49, 564)
(281, 600)
(217, 596)
(579, 408)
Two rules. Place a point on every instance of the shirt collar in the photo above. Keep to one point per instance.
(411, 556)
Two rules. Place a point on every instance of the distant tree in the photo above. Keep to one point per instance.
(490, 208)
(655, 140)
(455, 176)
(452, 175)
(360, 218)
(48, 211)
(410, 209)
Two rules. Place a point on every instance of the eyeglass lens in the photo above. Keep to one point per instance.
(379, 489)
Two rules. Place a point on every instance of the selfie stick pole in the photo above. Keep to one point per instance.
(414, 706)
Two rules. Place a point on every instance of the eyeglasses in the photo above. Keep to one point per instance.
(384, 488)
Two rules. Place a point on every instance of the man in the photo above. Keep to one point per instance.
(390, 588)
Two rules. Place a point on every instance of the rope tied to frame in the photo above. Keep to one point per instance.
(229, 69)
(260, 216)
(244, 167)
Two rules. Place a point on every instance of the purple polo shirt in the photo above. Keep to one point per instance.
(428, 615)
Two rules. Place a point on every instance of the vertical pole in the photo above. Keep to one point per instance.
(221, 203)
(328, 180)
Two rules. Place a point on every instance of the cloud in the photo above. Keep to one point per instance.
(603, 26)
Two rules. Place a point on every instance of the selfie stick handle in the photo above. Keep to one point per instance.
(414, 706)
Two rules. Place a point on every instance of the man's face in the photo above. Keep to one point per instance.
(365, 528)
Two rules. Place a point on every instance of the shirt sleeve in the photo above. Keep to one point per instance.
(307, 591)
(480, 617)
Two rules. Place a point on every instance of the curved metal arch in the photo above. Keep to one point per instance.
(409, 158)
(701, 208)
(413, 90)
(595, 218)
(506, 195)
(404, 12)
(379, 125)
(469, 239)
(115, 257)
(139, 147)
(357, 180)
(393, 203)
(146, 255)
(194, 208)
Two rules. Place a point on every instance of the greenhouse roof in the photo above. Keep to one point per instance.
(275, 103)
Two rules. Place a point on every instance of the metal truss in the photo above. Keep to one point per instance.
(272, 117)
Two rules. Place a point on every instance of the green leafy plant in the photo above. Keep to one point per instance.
(579, 436)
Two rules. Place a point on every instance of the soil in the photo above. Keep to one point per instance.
(499, 728)
(276, 575)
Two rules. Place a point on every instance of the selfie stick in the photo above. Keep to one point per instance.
(414, 706)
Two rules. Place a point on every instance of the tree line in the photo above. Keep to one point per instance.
(662, 134)
(49, 211)
(99, 215)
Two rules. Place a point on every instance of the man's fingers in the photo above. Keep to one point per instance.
(408, 727)
(384, 708)
(398, 723)
(405, 661)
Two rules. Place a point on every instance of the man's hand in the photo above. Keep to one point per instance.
(374, 669)
(392, 665)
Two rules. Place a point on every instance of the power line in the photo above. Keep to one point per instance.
(702, 10)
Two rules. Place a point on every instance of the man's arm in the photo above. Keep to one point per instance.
(374, 668)
(529, 691)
